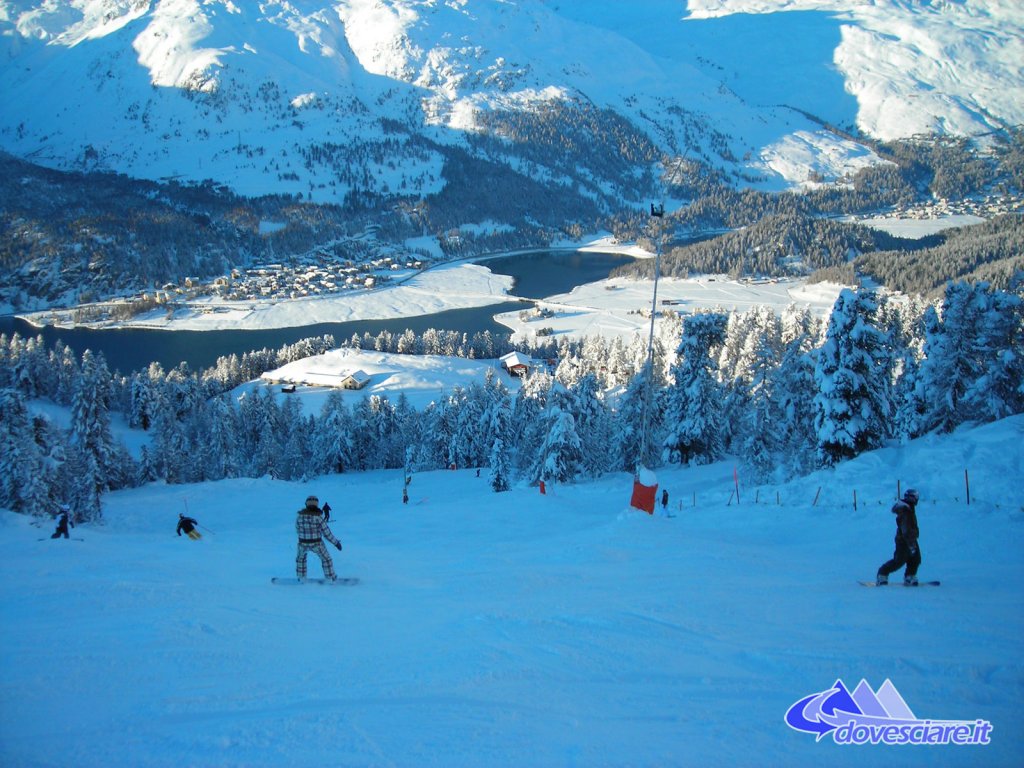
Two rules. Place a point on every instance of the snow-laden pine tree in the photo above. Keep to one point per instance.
(372, 420)
(170, 446)
(332, 436)
(292, 461)
(500, 458)
(999, 391)
(569, 370)
(951, 363)
(90, 431)
(218, 447)
(388, 433)
(751, 351)
(528, 419)
(911, 401)
(259, 431)
(694, 399)
(759, 437)
(593, 424)
(616, 371)
(141, 401)
(792, 401)
(23, 474)
(853, 405)
(31, 367)
(472, 425)
(637, 426)
(561, 458)
(66, 364)
(75, 484)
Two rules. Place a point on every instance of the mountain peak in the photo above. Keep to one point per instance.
(261, 97)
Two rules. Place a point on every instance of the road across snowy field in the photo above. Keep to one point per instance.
(621, 307)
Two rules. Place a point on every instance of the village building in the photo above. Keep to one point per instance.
(516, 363)
(355, 380)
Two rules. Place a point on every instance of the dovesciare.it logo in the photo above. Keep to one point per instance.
(877, 717)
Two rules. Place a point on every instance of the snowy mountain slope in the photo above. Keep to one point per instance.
(217, 90)
(322, 98)
(514, 628)
(914, 67)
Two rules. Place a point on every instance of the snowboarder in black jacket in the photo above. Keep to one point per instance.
(908, 550)
(188, 525)
(63, 520)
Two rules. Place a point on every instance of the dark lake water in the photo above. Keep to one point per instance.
(129, 349)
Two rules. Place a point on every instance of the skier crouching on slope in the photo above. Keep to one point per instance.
(188, 525)
(908, 551)
(312, 530)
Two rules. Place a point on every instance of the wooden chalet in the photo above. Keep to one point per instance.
(355, 380)
(516, 364)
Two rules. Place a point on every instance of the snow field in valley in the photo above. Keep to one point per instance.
(516, 628)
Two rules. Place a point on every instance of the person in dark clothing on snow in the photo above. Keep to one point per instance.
(188, 525)
(908, 550)
(63, 520)
(312, 530)
(327, 513)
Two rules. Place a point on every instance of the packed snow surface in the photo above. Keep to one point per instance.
(518, 628)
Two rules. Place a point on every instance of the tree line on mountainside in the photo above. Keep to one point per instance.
(991, 252)
(785, 394)
(560, 172)
(791, 246)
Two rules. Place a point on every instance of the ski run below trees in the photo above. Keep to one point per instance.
(502, 629)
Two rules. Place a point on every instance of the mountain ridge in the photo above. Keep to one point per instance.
(242, 95)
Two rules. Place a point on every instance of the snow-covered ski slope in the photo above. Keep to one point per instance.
(518, 629)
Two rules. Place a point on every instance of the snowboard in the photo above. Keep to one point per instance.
(291, 582)
(901, 584)
(72, 538)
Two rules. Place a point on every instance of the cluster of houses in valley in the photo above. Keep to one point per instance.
(288, 281)
(984, 207)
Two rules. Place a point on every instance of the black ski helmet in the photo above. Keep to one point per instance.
(911, 496)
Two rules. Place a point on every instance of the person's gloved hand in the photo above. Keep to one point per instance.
(338, 545)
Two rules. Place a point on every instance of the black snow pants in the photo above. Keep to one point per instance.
(902, 556)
